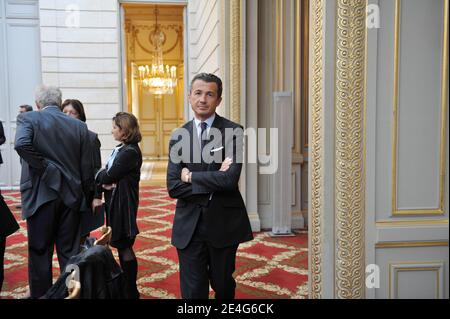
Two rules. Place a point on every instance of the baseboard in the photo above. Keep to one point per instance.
(255, 222)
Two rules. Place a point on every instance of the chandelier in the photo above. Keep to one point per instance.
(158, 78)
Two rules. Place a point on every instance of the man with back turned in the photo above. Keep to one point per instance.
(56, 176)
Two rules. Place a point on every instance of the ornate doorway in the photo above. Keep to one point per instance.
(158, 114)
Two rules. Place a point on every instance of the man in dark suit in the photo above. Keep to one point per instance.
(210, 218)
(22, 109)
(56, 176)
(8, 224)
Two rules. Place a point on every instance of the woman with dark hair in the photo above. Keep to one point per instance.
(120, 181)
(74, 108)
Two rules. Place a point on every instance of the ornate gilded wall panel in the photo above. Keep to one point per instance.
(349, 148)
(235, 60)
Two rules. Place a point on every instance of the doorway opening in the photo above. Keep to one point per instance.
(153, 38)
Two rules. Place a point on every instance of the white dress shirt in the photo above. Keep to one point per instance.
(113, 156)
(198, 126)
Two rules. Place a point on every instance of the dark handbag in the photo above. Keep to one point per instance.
(92, 221)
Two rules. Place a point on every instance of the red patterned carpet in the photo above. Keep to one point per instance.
(266, 267)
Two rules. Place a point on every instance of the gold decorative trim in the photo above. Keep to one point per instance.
(349, 148)
(178, 29)
(444, 102)
(317, 149)
(418, 212)
(411, 244)
(235, 60)
(416, 222)
(444, 87)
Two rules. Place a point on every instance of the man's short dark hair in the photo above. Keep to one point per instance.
(209, 77)
(28, 108)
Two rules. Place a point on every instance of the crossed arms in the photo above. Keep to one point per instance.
(196, 186)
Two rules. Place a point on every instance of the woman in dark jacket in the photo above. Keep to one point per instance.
(120, 181)
(75, 109)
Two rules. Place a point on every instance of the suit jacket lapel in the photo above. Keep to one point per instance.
(194, 146)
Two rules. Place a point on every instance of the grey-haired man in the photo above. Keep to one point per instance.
(56, 175)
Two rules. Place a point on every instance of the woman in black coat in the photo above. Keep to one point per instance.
(74, 108)
(120, 183)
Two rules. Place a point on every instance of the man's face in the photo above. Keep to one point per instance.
(22, 110)
(204, 99)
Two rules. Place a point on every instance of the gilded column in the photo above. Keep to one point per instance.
(235, 60)
(349, 148)
(317, 149)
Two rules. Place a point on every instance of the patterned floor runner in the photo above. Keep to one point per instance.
(266, 267)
